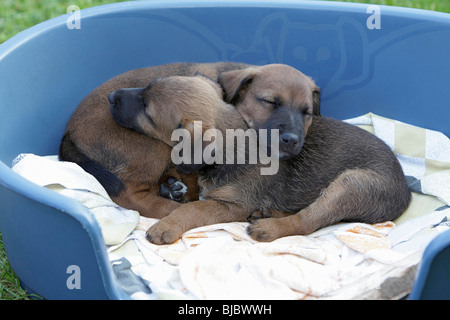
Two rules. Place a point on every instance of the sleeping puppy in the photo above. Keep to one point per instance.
(135, 170)
(331, 171)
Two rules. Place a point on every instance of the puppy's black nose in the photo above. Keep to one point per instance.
(111, 97)
(289, 139)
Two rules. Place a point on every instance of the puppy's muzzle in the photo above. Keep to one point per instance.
(112, 97)
(290, 145)
(289, 140)
(125, 105)
(291, 131)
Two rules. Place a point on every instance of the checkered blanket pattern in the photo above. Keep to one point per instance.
(424, 154)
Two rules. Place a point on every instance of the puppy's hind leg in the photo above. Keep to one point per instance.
(355, 195)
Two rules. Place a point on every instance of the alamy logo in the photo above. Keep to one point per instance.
(374, 21)
(237, 147)
(74, 20)
(74, 280)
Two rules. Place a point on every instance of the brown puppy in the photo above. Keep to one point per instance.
(340, 173)
(129, 165)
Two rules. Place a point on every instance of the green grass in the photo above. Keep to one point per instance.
(9, 283)
(18, 15)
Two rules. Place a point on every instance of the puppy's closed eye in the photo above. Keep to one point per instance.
(150, 120)
(307, 112)
(275, 102)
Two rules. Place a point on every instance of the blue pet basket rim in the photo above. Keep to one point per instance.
(434, 248)
(34, 31)
(16, 183)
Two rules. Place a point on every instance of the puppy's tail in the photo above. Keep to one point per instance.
(68, 151)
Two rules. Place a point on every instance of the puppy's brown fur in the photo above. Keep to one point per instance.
(128, 164)
(340, 173)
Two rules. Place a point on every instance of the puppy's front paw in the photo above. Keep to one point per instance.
(173, 189)
(164, 232)
(264, 230)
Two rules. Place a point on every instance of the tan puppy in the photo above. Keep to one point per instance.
(134, 169)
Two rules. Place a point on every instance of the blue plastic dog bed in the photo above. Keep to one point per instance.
(388, 60)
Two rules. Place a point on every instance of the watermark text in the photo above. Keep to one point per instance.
(237, 147)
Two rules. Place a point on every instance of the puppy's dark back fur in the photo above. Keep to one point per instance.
(69, 152)
(331, 147)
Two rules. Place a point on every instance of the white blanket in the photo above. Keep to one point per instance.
(221, 261)
(70, 180)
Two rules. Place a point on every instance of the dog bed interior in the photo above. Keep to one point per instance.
(348, 260)
(386, 60)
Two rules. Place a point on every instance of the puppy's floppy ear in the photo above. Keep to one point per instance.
(213, 82)
(234, 83)
(316, 101)
(199, 74)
